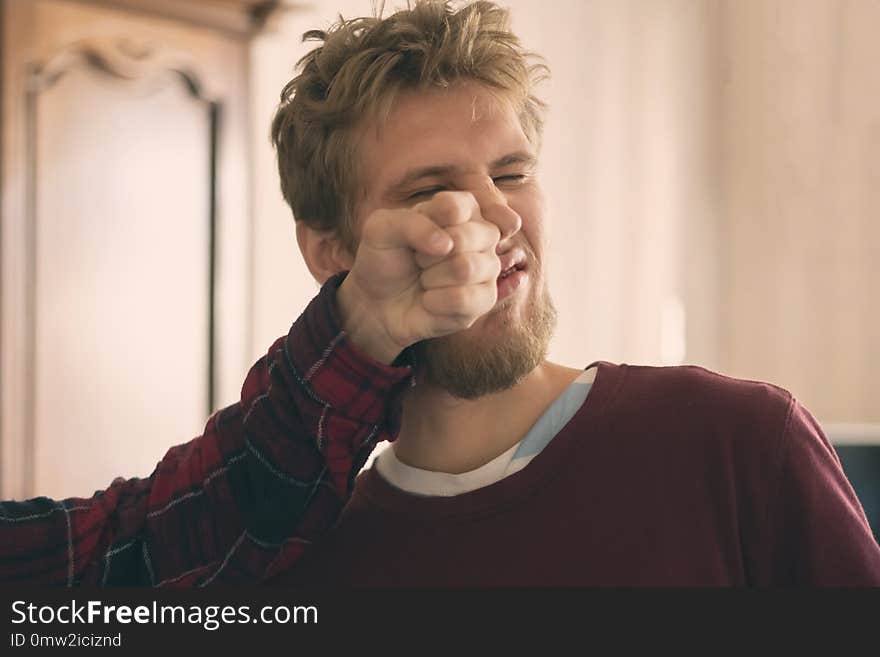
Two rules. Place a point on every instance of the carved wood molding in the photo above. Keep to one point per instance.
(241, 18)
(122, 59)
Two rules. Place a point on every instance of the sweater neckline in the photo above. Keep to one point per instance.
(426, 483)
(588, 421)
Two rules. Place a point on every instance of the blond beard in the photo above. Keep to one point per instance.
(468, 365)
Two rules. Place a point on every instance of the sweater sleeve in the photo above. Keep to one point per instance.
(241, 502)
(819, 535)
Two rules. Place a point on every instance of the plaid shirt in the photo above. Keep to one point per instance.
(242, 502)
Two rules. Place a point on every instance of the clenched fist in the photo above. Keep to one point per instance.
(419, 272)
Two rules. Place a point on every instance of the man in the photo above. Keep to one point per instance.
(407, 150)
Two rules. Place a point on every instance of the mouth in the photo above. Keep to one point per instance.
(512, 262)
(513, 274)
(511, 270)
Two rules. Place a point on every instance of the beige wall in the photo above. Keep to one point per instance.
(801, 237)
(711, 167)
(629, 170)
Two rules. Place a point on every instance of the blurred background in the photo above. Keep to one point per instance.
(712, 167)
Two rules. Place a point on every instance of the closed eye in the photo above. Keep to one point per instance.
(510, 180)
(423, 193)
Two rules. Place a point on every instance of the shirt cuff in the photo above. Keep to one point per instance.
(340, 376)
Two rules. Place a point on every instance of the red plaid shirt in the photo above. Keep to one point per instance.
(242, 502)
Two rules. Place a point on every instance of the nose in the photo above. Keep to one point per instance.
(495, 209)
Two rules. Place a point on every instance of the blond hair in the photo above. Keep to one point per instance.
(357, 72)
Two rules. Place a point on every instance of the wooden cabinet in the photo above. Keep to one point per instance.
(126, 239)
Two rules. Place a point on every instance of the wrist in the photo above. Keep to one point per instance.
(361, 326)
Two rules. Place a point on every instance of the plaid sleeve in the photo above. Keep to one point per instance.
(243, 501)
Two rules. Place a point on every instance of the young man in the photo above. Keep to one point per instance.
(407, 150)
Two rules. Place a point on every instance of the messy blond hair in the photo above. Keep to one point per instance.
(356, 73)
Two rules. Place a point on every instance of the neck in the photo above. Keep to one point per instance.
(442, 433)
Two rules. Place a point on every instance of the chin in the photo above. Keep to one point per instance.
(494, 354)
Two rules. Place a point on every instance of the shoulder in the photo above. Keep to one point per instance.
(688, 398)
(691, 386)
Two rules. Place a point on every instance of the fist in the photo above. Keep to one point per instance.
(419, 273)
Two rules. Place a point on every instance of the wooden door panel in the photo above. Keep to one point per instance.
(125, 201)
(122, 276)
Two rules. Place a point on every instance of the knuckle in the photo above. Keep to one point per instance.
(459, 203)
(493, 230)
(494, 266)
(463, 267)
(445, 198)
(443, 202)
(468, 200)
(492, 294)
(458, 299)
(424, 207)
(455, 236)
(460, 239)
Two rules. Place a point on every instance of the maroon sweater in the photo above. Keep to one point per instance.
(665, 476)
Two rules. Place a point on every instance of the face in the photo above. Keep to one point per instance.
(463, 138)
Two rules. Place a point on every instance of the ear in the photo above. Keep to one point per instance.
(323, 252)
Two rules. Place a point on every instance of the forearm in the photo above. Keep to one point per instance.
(242, 501)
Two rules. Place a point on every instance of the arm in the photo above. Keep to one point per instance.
(241, 502)
(271, 473)
(819, 535)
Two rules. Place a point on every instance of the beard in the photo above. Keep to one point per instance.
(473, 363)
